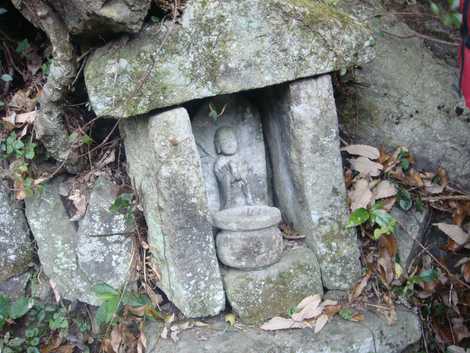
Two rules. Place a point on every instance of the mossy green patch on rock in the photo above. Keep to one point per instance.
(257, 296)
(223, 47)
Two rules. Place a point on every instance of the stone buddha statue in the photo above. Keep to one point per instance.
(230, 170)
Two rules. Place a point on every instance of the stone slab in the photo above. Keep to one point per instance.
(77, 259)
(256, 296)
(302, 135)
(165, 168)
(373, 335)
(220, 47)
(16, 251)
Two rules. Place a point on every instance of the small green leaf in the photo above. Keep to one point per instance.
(135, 300)
(3, 10)
(73, 137)
(6, 78)
(358, 217)
(29, 152)
(435, 8)
(429, 275)
(87, 140)
(346, 314)
(22, 46)
(105, 292)
(404, 199)
(20, 307)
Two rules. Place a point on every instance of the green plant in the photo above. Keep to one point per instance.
(123, 205)
(449, 15)
(379, 219)
(114, 301)
(13, 146)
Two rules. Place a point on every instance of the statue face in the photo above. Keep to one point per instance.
(226, 141)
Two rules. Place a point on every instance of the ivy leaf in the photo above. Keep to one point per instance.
(435, 8)
(105, 292)
(404, 199)
(20, 307)
(29, 152)
(87, 140)
(22, 46)
(358, 217)
(429, 275)
(106, 311)
(346, 314)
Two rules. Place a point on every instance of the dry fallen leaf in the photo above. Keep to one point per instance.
(384, 189)
(361, 195)
(309, 310)
(362, 150)
(80, 203)
(280, 323)
(359, 287)
(320, 323)
(116, 338)
(307, 301)
(366, 167)
(454, 232)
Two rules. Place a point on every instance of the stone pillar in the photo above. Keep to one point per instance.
(301, 128)
(165, 168)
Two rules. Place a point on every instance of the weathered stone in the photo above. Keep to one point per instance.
(104, 245)
(250, 238)
(338, 336)
(76, 270)
(256, 296)
(165, 166)
(406, 97)
(302, 134)
(411, 224)
(247, 218)
(244, 120)
(93, 17)
(15, 286)
(15, 245)
(220, 47)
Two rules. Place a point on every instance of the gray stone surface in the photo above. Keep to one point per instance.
(411, 224)
(372, 335)
(223, 46)
(256, 296)
(15, 286)
(406, 96)
(104, 243)
(250, 249)
(302, 134)
(245, 121)
(15, 245)
(247, 218)
(165, 167)
(76, 270)
(92, 17)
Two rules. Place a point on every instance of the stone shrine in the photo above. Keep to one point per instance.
(232, 127)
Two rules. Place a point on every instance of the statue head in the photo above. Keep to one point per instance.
(225, 141)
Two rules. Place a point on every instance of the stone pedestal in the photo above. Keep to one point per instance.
(249, 238)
